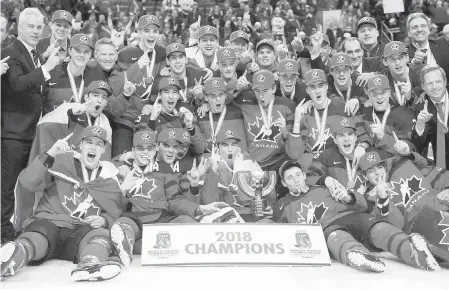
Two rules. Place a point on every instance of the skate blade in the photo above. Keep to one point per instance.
(105, 272)
(118, 238)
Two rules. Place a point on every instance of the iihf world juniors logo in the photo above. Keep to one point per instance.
(303, 240)
(162, 240)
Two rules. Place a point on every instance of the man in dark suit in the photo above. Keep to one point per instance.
(423, 50)
(21, 106)
(432, 116)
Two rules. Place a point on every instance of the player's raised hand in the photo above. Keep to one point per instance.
(352, 106)
(197, 90)
(400, 146)
(156, 109)
(193, 175)
(3, 65)
(242, 82)
(60, 147)
(53, 60)
(423, 117)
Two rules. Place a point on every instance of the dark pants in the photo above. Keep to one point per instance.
(122, 139)
(15, 154)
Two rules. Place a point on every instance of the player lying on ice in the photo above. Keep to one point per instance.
(80, 200)
(349, 230)
(154, 196)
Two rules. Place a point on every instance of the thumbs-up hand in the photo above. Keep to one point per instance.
(197, 90)
(242, 82)
(60, 147)
(193, 175)
(4, 66)
(400, 146)
(317, 38)
(165, 71)
(423, 117)
(297, 43)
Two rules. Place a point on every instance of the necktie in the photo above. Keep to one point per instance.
(35, 58)
(441, 138)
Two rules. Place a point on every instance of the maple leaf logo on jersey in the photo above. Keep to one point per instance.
(141, 186)
(80, 207)
(444, 222)
(360, 185)
(310, 213)
(259, 134)
(406, 189)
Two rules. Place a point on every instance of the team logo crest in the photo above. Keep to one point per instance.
(174, 46)
(241, 34)
(315, 75)
(171, 81)
(405, 190)
(84, 39)
(208, 29)
(79, 205)
(260, 134)
(395, 46)
(216, 83)
(371, 158)
(96, 131)
(377, 81)
(365, 19)
(186, 135)
(162, 241)
(145, 136)
(289, 65)
(261, 78)
(102, 84)
(303, 240)
(226, 52)
(341, 59)
(311, 213)
(151, 19)
(229, 134)
(64, 15)
(344, 122)
(172, 134)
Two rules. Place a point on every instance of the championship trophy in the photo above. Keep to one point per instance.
(259, 185)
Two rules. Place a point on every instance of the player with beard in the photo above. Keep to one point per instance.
(221, 182)
(423, 212)
(61, 28)
(405, 84)
(348, 229)
(368, 34)
(311, 131)
(167, 112)
(342, 83)
(290, 84)
(81, 200)
(204, 55)
(221, 116)
(70, 79)
(179, 70)
(388, 126)
(148, 28)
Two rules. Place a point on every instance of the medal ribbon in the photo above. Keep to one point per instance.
(384, 118)
(292, 95)
(348, 92)
(93, 174)
(77, 93)
(399, 96)
(150, 68)
(351, 172)
(321, 124)
(266, 119)
(215, 131)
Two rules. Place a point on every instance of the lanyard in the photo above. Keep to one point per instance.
(351, 172)
(399, 96)
(77, 93)
(145, 171)
(348, 92)
(219, 124)
(321, 124)
(183, 93)
(292, 95)
(267, 119)
(150, 68)
(93, 174)
(384, 118)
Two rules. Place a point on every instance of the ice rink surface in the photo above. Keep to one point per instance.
(56, 275)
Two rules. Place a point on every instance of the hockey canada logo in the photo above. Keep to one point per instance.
(226, 52)
(172, 134)
(208, 29)
(365, 19)
(395, 46)
(229, 134)
(186, 135)
(143, 183)
(162, 240)
(344, 122)
(79, 205)
(241, 34)
(150, 19)
(341, 59)
(174, 47)
(303, 240)
(102, 85)
(315, 75)
(145, 136)
(84, 39)
(216, 83)
(371, 158)
(405, 190)
(289, 65)
(171, 81)
(310, 213)
(377, 81)
(256, 129)
(261, 78)
(96, 131)
(64, 15)
(445, 223)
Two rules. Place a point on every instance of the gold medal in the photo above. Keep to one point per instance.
(351, 185)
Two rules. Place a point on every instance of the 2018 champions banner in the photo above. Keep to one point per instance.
(234, 244)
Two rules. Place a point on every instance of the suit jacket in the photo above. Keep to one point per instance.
(373, 64)
(21, 93)
(440, 50)
(430, 132)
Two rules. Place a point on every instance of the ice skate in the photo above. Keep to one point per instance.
(91, 270)
(121, 243)
(364, 261)
(421, 255)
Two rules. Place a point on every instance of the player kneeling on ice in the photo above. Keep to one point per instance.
(81, 198)
(228, 179)
(348, 229)
(152, 197)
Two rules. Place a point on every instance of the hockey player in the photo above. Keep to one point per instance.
(148, 28)
(342, 83)
(290, 85)
(81, 200)
(385, 123)
(221, 117)
(204, 55)
(311, 132)
(68, 83)
(167, 112)
(348, 229)
(221, 182)
(267, 120)
(240, 43)
(425, 209)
